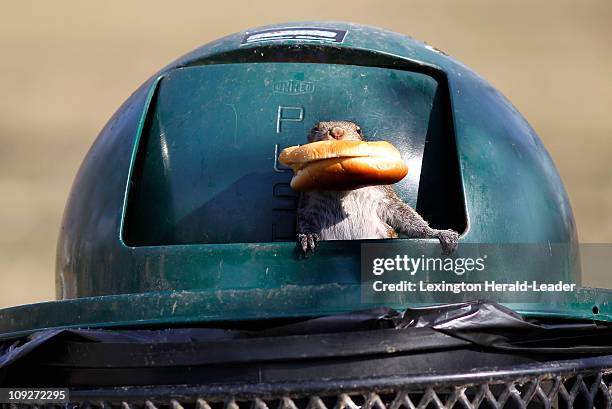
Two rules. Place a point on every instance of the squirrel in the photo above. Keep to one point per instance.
(372, 212)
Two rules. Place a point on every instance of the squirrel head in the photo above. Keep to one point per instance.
(335, 130)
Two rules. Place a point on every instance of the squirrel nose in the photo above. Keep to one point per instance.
(337, 132)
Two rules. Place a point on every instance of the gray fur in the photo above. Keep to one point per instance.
(373, 212)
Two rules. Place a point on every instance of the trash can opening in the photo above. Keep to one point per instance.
(206, 168)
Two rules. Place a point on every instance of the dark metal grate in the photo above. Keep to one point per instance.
(585, 390)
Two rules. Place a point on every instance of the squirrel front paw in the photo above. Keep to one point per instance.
(449, 239)
(307, 242)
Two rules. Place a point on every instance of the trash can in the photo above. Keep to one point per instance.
(177, 275)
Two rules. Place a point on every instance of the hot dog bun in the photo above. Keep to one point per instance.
(343, 165)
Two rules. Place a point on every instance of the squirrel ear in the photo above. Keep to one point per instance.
(313, 132)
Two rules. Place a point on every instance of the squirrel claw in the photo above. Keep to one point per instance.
(449, 239)
(307, 242)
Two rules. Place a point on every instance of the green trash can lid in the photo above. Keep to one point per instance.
(181, 213)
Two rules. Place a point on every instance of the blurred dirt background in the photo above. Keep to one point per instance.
(65, 66)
